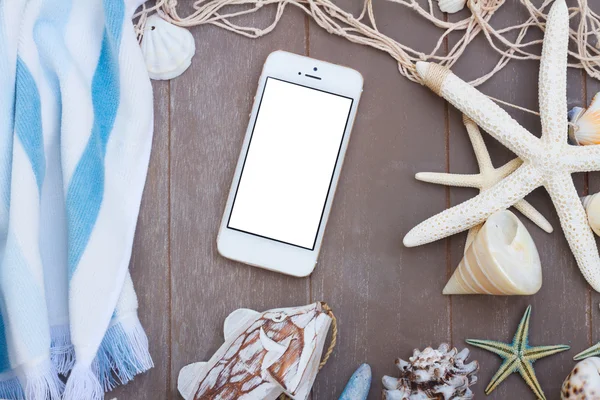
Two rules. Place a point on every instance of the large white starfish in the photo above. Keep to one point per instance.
(487, 177)
(547, 161)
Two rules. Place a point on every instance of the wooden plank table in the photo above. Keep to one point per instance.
(387, 297)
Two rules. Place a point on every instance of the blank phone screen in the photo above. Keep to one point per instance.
(289, 166)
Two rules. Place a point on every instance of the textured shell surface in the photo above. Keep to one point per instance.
(583, 383)
(451, 6)
(501, 260)
(584, 128)
(433, 374)
(592, 209)
(168, 49)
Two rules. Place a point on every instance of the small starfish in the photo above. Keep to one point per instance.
(593, 351)
(487, 177)
(548, 161)
(518, 356)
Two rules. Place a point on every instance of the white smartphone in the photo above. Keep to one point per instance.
(289, 165)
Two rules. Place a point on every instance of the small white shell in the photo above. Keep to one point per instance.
(583, 382)
(502, 260)
(585, 124)
(168, 49)
(591, 204)
(451, 6)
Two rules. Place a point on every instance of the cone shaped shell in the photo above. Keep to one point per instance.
(502, 260)
(592, 208)
(168, 49)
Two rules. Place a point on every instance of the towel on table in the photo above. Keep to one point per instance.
(75, 138)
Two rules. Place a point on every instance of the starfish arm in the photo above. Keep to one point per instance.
(481, 152)
(575, 225)
(535, 353)
(502, 349)
(534, 215)
(582, 158)
(509, 366)
(476, 210)
(480, 109)
(528, 374)
(521, 336)
(509, 167)
(593, 351)
(472, 181)
(553, 75)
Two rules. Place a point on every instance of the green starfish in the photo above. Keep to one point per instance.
(518, 356)
(593, 351)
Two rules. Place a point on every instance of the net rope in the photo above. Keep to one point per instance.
(511, 42)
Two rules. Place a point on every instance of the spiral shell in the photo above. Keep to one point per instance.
(168, 49)
(583, 383)
(502, 260)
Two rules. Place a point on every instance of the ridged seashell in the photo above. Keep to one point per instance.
(451, 6)
(502, 260)
(591, 204)
(433, 374)
(168, 49)
(584, 127)
(359, 384)
(583, 383)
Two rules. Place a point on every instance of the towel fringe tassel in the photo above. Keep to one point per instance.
(62, 352)
(83, 384)
(11, 389)
(123, 354)
(43, 383)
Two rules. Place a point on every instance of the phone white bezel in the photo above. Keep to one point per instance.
(268, 253)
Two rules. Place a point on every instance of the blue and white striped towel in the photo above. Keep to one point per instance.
(75, 138)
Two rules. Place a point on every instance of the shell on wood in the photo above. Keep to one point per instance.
(264, 355)
(584, 127)
(168, 49)
(433, 374)
(583, 383)
(359, 384)
(501, 260)
(451, 6)
(591, 204)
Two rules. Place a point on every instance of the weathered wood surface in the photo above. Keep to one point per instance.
(387, 298)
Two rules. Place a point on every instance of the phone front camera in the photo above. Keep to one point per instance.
(315, 69)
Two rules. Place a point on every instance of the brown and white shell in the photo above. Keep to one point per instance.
(433, 374)
(583, 382)
(264, 355)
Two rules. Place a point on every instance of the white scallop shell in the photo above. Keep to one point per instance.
(168, 49)
(451, 6)
(584, 128)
